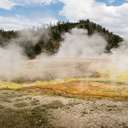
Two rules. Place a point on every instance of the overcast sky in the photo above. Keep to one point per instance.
(19, 14)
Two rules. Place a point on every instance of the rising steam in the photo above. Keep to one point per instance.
(77, 43)
(79, 55)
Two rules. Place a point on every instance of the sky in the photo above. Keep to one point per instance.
(20, 14)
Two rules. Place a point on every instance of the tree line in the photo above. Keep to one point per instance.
(52, 44)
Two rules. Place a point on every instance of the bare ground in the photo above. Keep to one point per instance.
(19, 109)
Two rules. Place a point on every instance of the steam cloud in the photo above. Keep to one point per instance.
(79, 55)
(79, 44)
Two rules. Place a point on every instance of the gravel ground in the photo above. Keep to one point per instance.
(21, 110)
